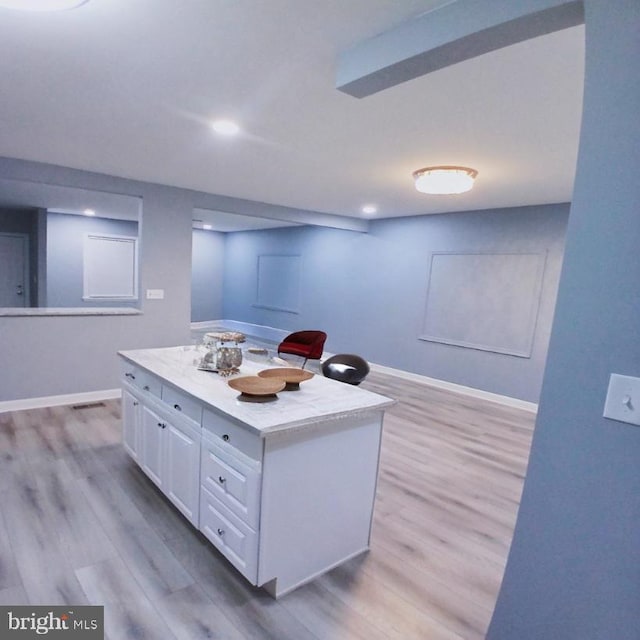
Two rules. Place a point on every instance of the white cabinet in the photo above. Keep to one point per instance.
(233, 481)
(232, 436)
(165, 444)
(131, 423)
(230, 501)
(318, 491)
(170, 456)
(230, 535)
(182, 403)
(151, 453)
(284, 505)
(181, 481)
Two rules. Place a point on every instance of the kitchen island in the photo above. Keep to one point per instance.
(284, 488)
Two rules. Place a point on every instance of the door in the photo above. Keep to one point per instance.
(182, 476)
(153, 427)
(130, 429)
(13, 270)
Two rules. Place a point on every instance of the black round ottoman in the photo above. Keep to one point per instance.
(346, 367)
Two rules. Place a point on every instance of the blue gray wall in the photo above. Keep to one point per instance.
(369, 291)
(207, 264)
(80, 351)
(65, 251)
(574, 568)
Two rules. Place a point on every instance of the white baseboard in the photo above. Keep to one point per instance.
(55, 401)
(508, 401)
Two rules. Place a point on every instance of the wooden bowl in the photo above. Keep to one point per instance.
(255, 386)
(290, 375)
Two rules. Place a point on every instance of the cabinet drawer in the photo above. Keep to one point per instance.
(141, 379)
(182, 402)
(242, 439)
(235, 484)
(232, 537)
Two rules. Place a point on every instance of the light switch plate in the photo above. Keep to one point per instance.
(155, 294)
(623, 399)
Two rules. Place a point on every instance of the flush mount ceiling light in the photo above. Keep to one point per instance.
(369, 209)
(444, 180)
(41, 5)
(225, 127)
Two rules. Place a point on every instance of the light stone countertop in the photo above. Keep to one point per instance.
(69, 311)
(318, 399)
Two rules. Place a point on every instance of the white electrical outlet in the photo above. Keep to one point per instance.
(623, 399)
(155, 294)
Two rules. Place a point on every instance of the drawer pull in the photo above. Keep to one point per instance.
(135, 403)
(146, 387)
(225, 437)
(221, 479)
(162, 425)
(129, 375)
(220, 532)
(177, 407)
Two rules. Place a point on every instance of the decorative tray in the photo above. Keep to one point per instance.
(253, 386)
(205, 366)
(290, 375)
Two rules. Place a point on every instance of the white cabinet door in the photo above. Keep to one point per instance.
(231, 536)
(235, 483)
(181, 481)
(151, 458)
(130, 423)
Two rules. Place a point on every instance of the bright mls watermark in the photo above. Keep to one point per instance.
(53, 623)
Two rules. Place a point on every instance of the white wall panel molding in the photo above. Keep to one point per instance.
(278, 283)
(486, 301)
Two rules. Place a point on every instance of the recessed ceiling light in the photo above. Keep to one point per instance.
(41, 5)
(89, 212)
(207, 227)
(225, 127)
(369, 209)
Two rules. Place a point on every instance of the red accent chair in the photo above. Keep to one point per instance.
(307, 344)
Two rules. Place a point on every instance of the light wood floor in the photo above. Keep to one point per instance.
(81, 524)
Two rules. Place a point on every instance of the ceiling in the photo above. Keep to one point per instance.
(17, 194)
(129, 89)
(226, 222)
